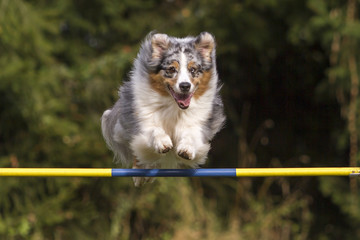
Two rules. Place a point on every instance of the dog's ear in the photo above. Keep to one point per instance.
(205, 44)
(159, 43)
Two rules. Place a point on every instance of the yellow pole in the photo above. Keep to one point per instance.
(293, 172)
(55, 172)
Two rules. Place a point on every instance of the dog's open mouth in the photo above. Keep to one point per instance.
(182, 99)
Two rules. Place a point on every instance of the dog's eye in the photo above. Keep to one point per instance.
(170, 70)
(192, 70)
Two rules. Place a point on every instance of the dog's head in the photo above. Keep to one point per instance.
(180, 67)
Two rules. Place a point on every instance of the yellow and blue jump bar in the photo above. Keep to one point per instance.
(201, 172)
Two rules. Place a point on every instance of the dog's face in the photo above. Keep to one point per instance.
(182, 67)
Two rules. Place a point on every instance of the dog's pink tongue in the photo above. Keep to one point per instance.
(184, 103)
(183, 100)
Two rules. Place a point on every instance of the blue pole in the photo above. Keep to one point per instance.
(205, 172)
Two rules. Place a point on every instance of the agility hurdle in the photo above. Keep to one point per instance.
(202, 172)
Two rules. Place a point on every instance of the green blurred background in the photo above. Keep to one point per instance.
(291, 78)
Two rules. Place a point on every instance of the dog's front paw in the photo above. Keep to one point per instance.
(162, 144)
(186, 151)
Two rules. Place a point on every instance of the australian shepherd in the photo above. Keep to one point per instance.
(170, 109)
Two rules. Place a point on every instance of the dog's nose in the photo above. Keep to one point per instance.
(184, 87)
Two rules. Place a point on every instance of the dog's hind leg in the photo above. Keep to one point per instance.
(140, 181)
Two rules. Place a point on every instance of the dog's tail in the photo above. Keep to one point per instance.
(110, 130)
(105, 127)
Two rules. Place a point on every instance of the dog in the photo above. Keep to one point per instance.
(170, 109)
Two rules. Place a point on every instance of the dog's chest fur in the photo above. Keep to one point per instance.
(155, 110)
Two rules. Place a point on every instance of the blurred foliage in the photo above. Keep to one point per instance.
(290, 73)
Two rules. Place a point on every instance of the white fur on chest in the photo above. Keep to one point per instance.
(155, 110)
(157, 113)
